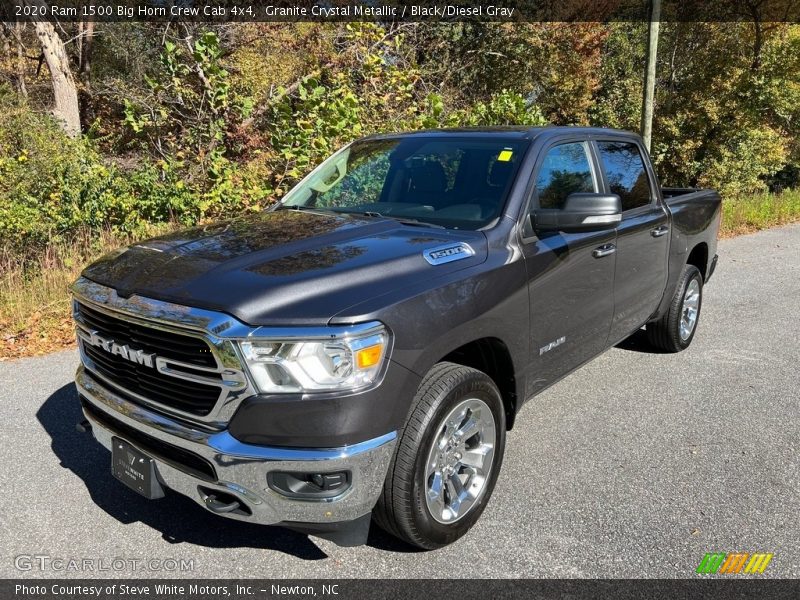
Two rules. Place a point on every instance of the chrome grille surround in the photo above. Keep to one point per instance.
(215, 329)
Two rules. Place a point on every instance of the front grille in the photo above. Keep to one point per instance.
(192, 397)
(166, 344)
(186, 461)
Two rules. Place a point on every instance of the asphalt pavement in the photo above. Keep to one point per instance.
(634, 466)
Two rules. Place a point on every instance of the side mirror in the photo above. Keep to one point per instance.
(581, 212)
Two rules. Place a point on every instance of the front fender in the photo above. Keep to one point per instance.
(429, 322)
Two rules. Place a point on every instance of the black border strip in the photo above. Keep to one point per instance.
(463, 589)
(221, 11)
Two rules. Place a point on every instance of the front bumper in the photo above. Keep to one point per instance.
(240, 470)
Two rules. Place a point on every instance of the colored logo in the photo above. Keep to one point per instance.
(734, 562)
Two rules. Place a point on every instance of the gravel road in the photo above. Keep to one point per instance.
(634, 466)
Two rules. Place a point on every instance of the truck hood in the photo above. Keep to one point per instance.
(284, 267)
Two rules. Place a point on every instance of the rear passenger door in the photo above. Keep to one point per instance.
(642, 236)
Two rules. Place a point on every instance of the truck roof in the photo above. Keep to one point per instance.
(505, 132)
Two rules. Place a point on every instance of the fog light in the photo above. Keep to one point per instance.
(309, 486)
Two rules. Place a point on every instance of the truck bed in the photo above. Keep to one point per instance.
(668, 193)
(695, 222)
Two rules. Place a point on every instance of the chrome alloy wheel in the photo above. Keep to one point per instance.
(689, 310)
(460, 460)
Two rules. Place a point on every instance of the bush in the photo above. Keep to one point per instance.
(505, 108)
(51, 184)
(185, 121)
(743, 163)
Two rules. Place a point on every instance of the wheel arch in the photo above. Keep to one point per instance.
(699, 258)
(491, 356)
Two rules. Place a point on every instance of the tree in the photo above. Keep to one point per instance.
(65, 93)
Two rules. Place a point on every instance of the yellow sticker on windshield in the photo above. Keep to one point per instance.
(505, 155)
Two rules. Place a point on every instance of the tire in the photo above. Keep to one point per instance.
(670, 332)
(403, 509)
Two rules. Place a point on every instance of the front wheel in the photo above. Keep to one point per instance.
(675, 330)
(447, 459)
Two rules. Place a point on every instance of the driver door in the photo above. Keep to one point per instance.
(570, 275)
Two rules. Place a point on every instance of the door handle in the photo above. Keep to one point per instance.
(659, 231)
(604, 250)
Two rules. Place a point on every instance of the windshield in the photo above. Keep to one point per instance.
(458, 183)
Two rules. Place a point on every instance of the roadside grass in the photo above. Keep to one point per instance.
(35, 313)
(762, 211)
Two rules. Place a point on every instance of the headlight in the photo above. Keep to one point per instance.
(343, 362)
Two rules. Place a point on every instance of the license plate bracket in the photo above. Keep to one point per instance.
(135, 469)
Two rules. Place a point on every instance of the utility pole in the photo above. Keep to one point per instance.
(650, 73)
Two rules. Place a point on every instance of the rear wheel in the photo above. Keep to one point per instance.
(675, 330)
(447, 458)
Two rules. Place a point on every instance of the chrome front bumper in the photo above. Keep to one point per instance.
(241, 469)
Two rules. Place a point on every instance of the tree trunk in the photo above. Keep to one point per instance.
(650, 73)
(85, 97)
(87, 41)
(758, 42)
(17, 57)
(6, 37)
(65, 92)
(21, 86)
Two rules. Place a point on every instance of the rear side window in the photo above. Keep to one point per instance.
(566, 170)
(624, 169)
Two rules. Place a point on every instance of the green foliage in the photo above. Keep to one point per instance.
(371, 90)
(375, 90)
(726, 117)
(617, 101)
(50, 183)
(741, 164)
(185, 121)
(309, 126)
(189, 101)
(504, 108)
(553, 65)
(53, 185)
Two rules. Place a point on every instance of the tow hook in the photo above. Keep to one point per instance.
(219, 505)
(83, 427)
(216, 506)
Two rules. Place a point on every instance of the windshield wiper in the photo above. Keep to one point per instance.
(365, 213)
(295, 207)
(403, 220)
(300, 207)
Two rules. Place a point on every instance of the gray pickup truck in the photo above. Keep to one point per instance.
(358, 351)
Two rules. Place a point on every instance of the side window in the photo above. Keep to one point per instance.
(624, 168)
(566, 169)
